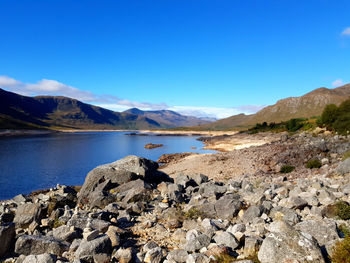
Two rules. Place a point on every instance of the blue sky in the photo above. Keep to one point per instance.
(201, 57)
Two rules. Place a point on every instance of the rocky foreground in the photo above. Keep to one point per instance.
(129, 211)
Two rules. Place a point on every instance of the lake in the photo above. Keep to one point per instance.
(29, 163)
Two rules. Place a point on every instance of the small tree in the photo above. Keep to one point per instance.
(329, 115)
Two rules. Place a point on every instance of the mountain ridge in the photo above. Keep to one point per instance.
(47, 112)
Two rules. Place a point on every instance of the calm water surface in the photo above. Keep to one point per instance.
(36, 162)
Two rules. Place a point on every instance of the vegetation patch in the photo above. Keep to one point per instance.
(343, 210)
(193, 213)
(336, 118)
(341, 251)
(291, 125)
(314, 163)
(287, 169)
(344, 230)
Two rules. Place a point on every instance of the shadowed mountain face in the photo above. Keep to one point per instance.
(309, 105)
(18, 111)
(169, 118)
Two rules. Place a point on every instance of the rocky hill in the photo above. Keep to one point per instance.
(306, 106)
(129, 211)
(22, 112)
(169, 119)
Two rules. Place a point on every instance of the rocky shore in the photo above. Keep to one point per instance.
(131, 211)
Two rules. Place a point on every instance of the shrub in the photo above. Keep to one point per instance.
(287, 169)
(343, 229)
(314, 163)
(193, 213)
(341, 251)
(294, 124)
(343, 210)
(57, 223)
(329, 115)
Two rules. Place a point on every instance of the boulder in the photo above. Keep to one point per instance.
(134, 191)
(228, 206)
(105, 177)
(154, 255)
(289, 246)
(344, 167)
(36, 245)
(226, 239)
(42, 258)
(197, 243)
(324, 231)
(123, 255)
(26, 214)
(7, 238)
(197, 258)
(66, 233)
(88, 249)
(177, 255)
(251, 213)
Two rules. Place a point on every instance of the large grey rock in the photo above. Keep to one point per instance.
(177, 255)
(197, 243)
(197, 258)
(100, 180)
(66, 233)
(88, 249)
(211, 189)
(344, 167)
(251, 213)
(324, 231)
(226, 239)
(7, 238)
(154, 255)
(134, 191)
(228, 206)
(36, 245)
(290, 246)
(42, 258)
(26, 214)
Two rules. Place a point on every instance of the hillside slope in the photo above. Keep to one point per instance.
(306, 106)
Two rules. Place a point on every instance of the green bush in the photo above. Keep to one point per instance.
(287, 169)
(314, 163)
(294, 124)
(343, 228)
(343, 210)
(341, 251)
(193, 213)
(336, 118)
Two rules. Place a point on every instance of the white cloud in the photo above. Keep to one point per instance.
(346, 32)
(337, 83)
(55, 88)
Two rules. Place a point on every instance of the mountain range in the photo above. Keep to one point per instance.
(306, 106)
(56, 112)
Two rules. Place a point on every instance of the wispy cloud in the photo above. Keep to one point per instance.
(55, 88)
(346, 32)
(337, 83)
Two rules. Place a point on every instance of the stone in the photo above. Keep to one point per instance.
(226, 239)
(81, 222)
(197, 243)
(19, 198)
(89, 234)
(154, 255)
(228, 206)
(123, 255)
(291, 246)
(200, 178)
(65, 233)
(251, 213)
(251, 245)
(26, 214)
(103, 178)
(211, 189)
(134, 191)
(324, 231)
(7, 238)
(197, 258)
(178, 255)
(87, 249)
(113, 235)
(42, 258)
(36, 245)
(344, 167)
